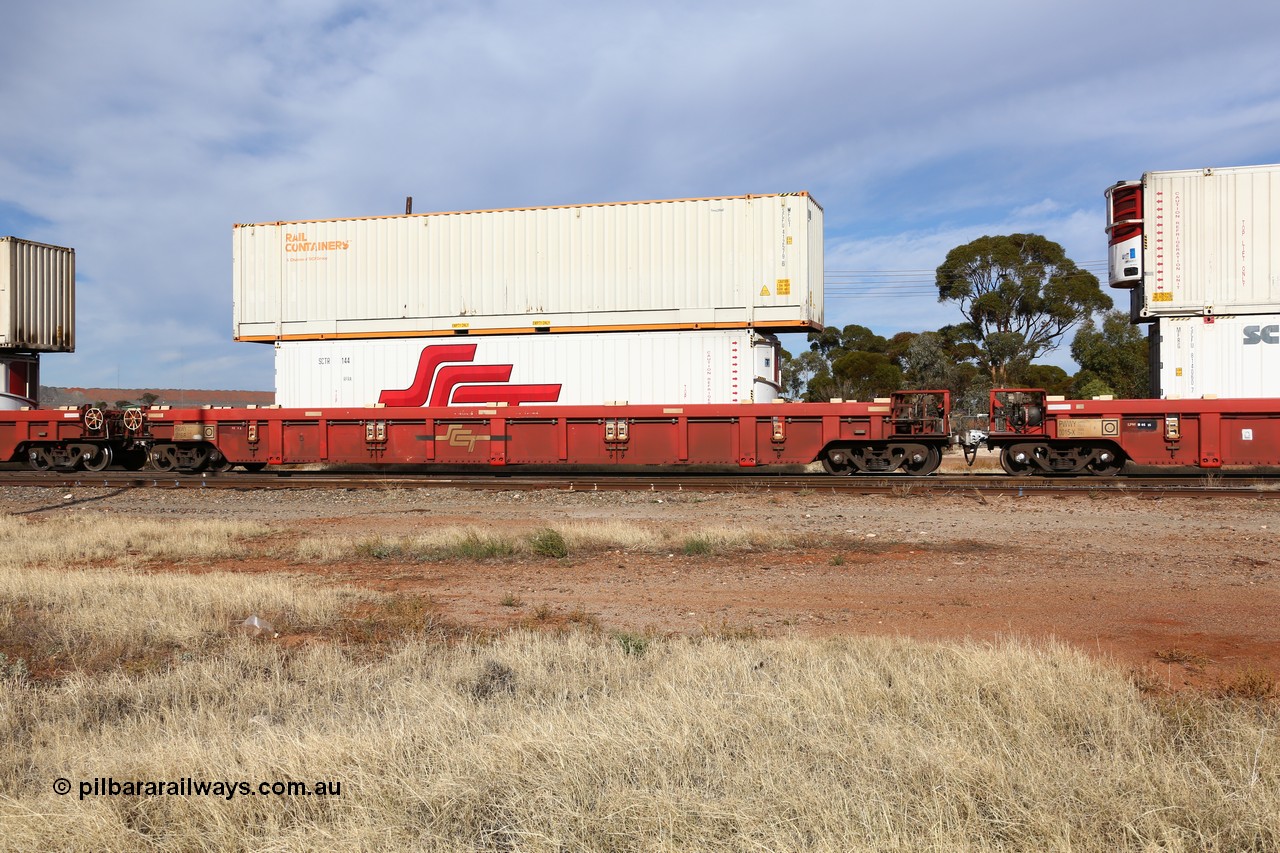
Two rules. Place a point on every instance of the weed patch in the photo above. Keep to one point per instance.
(697, 546)
(1182, 656)
(549, 543)
(1250, 683)
(632, 644)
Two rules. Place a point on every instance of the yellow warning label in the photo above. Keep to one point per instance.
(764, 291)
(788, 241)
(1162, 297)
(784, 287)
(1179, 371)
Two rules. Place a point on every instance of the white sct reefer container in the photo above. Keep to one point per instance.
(743, 262)
(37, 296)
(1201, 241)
(1232, 356)
(658, 368)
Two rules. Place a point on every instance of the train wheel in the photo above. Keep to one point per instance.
(164, 457)
(255, 467)
(837, 460)
(921, 460)
(98, 458)
(1016, 460)
(40, 459)
(218, 462)
(1105, 463)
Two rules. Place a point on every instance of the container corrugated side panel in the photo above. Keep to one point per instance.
(1233, 356)
(257, 281)
(788, 263)
(1212, 241)
(816, 261)
(642, 368)
(623, 266)
(38, 302)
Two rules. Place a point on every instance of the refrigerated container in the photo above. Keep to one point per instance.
(1229, 356)
(712, 263)
(709, 366)
(37, 296)
(1199, 241)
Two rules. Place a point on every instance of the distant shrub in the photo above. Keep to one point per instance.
(377, 549)
(632, 644)
(696, 546)
(496, 678)
(549, 543)
(475, 546)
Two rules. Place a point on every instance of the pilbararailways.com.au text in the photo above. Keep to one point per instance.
(188, 787)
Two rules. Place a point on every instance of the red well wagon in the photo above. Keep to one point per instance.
(1037, 433)
(907, 431)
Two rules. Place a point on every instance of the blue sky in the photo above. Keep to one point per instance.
(139, 132)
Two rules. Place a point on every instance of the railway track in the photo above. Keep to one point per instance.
(1196, 484)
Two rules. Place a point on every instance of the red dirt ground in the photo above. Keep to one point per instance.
(1184, 591)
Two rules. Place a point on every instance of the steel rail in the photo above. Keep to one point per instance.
(1230, 484)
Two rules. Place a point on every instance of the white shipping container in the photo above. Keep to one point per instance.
(745, 262)
(660, 368)
(37, 296)
(1229, 356)
(1208, 241)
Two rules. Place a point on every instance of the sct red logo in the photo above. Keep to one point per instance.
(445, 377)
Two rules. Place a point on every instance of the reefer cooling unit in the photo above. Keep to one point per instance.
(742, 262)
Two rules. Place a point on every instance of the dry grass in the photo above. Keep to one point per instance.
(597, 741)
(585, 740)
(455, 542)
(95, 539)
(93, 620)
(75, 595)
